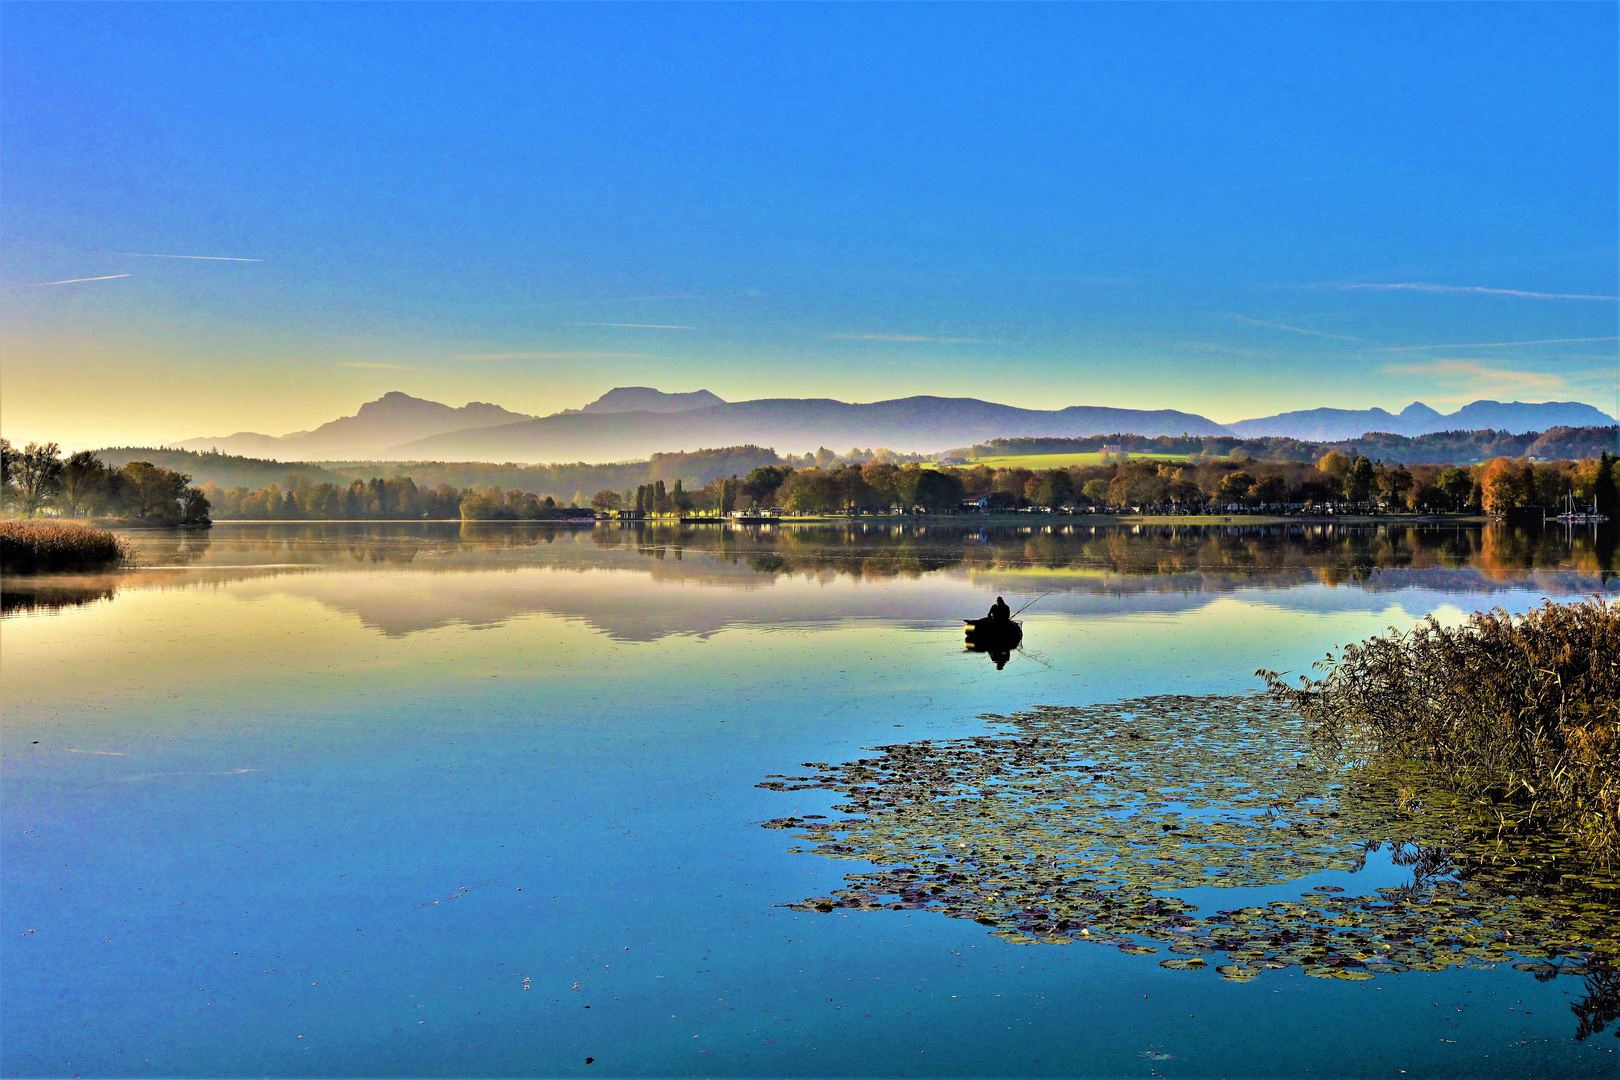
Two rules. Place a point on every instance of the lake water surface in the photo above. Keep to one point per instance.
(426, 800)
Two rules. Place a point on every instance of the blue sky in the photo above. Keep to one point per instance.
(1227, 209)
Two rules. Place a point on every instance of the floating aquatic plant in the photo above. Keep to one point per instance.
(1083, 824)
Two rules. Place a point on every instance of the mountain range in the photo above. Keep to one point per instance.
(1327, 425)
(636, 421)
(392, 419)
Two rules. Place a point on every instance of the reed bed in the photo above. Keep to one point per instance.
(1522, 710)
(57, 547)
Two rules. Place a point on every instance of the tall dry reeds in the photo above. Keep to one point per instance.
(1522, 709)
(56, 547)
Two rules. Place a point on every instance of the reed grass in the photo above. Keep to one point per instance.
(1512, 709)
(55, 547)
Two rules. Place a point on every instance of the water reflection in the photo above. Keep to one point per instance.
(1069, 559)
(164, 555)
(999, 654)
(997, 638)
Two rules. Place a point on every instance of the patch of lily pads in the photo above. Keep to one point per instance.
(1070, 824)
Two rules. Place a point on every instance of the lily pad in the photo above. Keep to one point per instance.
(1048, 828)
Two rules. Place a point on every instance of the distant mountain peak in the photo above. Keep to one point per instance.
(646, 399)
(394, 418)
(1418, 419)
(1417, 412)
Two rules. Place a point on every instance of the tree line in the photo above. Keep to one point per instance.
(396, 498)
(1336, 479)
(37, 480)
(1145, 486)
(880, 484)
(560, 480)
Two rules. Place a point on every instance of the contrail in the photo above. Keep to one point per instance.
(1246, 321)
(636, 325)
(75, 280)
(1494, 344)
(209, 258)
(1430, 287)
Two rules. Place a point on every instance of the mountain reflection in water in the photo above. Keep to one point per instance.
(1066, 558)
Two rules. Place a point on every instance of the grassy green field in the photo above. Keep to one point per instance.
(1065, 461)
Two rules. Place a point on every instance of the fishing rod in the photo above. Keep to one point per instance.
(1021, 610)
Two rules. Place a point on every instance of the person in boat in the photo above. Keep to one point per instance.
(999, 611)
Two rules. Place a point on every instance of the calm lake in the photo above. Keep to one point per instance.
(432, 800)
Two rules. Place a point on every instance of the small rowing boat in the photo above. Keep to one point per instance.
(998, 635)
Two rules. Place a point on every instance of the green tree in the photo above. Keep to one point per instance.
(84, 482)
(1358, 486)
(521, 505)
(1234, 487)
(155, 493)
(1096, 492)
(809, 491)
(1269, 490)
(8, 458)
(1606, 488)
(1051, 488)
(853, 490)
(1393, 484)
(932, 489)
(882, 480)
(1455, 484)
(760, 485)
(37, 473)
(195, 507)
(607, 500)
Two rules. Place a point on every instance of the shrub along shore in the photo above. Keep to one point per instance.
(1520, 712)
(57, 547)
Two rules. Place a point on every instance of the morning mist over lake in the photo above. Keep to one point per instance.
(810, 540)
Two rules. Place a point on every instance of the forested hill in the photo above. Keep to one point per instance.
(694, 468)
(228, 471)
(1440, 448)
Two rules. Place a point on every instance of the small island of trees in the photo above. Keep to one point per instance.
(38, 481)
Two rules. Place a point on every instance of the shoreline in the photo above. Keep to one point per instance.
(899, 519)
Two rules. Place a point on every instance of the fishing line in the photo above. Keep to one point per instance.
(1021, 610)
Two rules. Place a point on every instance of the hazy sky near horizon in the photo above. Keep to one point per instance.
(1231, 210)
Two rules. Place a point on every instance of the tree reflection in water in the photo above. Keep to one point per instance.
(1064, 555)
(1330, 553)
